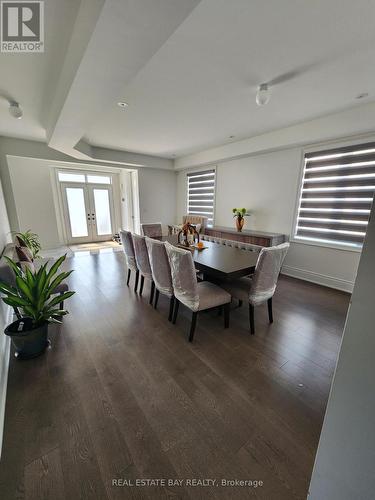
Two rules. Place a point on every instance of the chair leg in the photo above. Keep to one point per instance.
(152, 292)
(251, 318)
(129, 273)
(226, 315)
(156, 298)
(171, 306)
(192, 326)
(142, 283)
(240, 303)
(177, 305)
(270, 314)
(136, 281)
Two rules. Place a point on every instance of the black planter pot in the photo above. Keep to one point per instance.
(29, 342)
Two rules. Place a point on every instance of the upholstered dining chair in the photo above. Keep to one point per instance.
(161, 272)
(261, 286)
(128, 248)
(143, 263)
(200, 221)
(196, 296)
(152, 230)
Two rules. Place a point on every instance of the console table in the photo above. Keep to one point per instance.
(247, 236)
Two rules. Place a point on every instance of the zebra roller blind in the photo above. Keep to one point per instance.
(336, 196)
(201, 194)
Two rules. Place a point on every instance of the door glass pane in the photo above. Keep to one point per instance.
(102, 211)
(98, 179)
(69, 177)
(77, 212)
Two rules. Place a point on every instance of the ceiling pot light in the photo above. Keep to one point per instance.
(15, 110)
(122, 104)
(263, 94)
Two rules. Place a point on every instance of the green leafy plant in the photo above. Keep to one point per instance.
(32, 293)
(31, 240)
(240, 212)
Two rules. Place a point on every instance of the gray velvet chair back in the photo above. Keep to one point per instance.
(128, 247)
(184, 277)
(161, 270)
(266, 273)
(196, 219)
(152, 230)
(141, 256)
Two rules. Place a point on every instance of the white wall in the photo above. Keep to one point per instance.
(34, 201)
(267, 185)
(157, 195)
(24, 169)
(354, 121)
(344, 465)
(4, 317)
(5, 236)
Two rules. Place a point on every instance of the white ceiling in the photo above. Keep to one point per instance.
(31, 78)
(198, 86)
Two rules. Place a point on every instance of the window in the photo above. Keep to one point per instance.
(336, 195)
(84, 178)
(98, 179)
(69, 177)
(201, 194)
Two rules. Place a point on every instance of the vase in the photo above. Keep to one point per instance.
(29, 342)
(240, 221)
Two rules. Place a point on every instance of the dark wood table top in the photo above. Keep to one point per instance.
(220, 260)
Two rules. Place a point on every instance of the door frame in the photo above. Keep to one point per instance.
(58, 194)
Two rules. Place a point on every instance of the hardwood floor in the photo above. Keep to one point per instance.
(123, 395)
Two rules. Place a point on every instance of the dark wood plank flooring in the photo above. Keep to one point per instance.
(122, 394)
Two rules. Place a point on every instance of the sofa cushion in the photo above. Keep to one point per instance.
(24, 254)
(27, 265)
(20, 242)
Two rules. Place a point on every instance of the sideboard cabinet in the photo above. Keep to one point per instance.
(247, 236)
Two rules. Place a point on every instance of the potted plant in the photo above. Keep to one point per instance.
(239, 215)
(29, 240)
(32, 297)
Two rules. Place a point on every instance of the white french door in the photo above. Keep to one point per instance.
(88, 212)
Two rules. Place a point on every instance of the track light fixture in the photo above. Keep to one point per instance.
(15, 110)
(263, 94)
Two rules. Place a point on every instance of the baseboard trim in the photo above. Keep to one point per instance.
(320, 279)
(4, 375)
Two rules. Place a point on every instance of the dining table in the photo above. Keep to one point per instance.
(220, 261)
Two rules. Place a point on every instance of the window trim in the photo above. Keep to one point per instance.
(200, 170)
(313, 149)
(86, 174)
